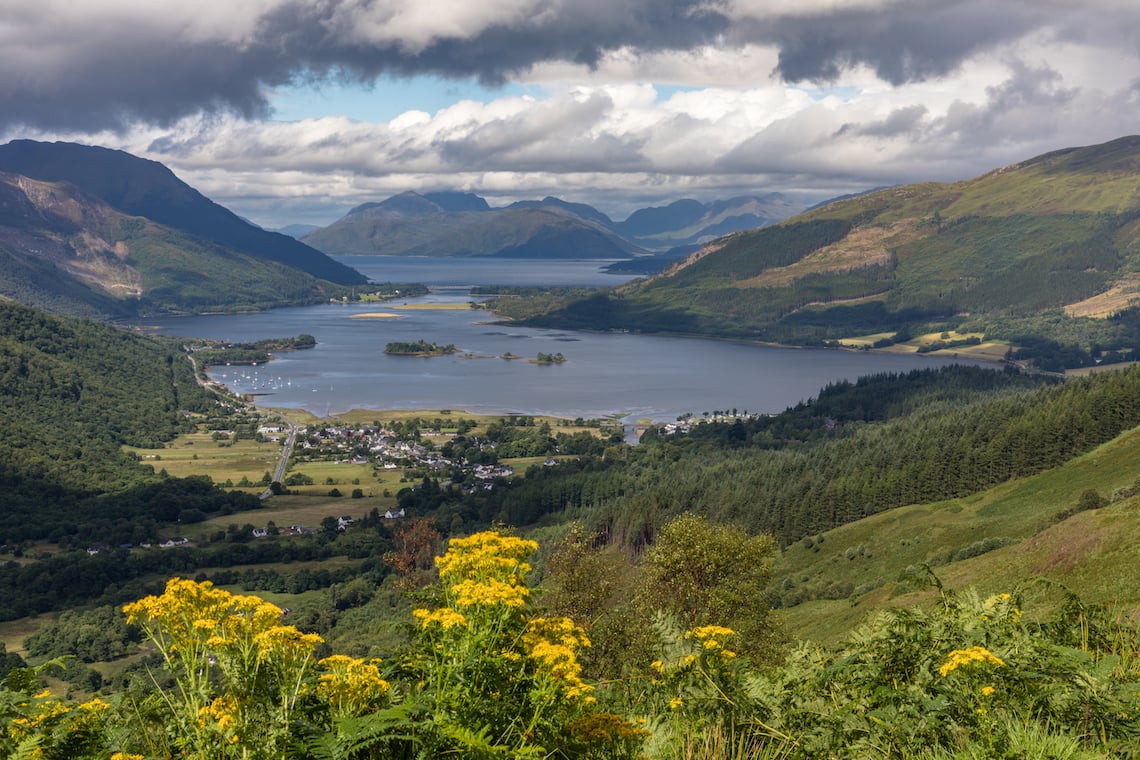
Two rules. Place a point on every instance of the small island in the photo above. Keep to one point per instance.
(419, 348)
(542, 358)
(214, 353)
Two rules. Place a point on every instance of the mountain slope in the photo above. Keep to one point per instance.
(1046, 250)
(997, 539)
(139, 187)
(68, 252)
(456, 224)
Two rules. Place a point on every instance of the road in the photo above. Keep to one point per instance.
(290, 439)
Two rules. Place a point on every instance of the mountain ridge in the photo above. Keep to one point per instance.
(453, 223)
(1044, 251)
(141, 187)
(67, 250)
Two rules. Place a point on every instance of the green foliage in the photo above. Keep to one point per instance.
(419, 348)
(929, 455)
(968, 672)
(704, 574)
(75, 393)
(484, 677)
(97, 635)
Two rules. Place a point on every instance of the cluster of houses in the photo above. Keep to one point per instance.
(372, 444)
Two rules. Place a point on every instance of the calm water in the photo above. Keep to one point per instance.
(606, 373)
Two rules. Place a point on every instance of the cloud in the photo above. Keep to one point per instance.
(626, 103)
(108, 63)
(902, 42)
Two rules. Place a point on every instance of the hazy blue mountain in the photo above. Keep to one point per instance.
(689, 222)
(462, 224)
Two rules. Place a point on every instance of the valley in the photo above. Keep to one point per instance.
(908, 473)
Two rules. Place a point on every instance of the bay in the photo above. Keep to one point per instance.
(620, 374)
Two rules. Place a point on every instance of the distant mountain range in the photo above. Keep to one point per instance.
(1044, 254)
(88, 230)
(464, 224)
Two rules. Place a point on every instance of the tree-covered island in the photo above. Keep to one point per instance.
(214, 353)
(419, 348)
(542, 358)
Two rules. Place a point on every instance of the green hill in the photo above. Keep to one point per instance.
(1044, 526)
(74, 393)
(1044, 254)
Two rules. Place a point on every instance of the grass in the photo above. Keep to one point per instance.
(198, 454)
(1093, 552)
(866, 340)
(14, 632)
(293, 510)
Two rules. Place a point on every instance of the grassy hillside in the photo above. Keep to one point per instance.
(1044, 254)
(996, 540)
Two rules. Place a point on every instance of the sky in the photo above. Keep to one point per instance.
(295, 111)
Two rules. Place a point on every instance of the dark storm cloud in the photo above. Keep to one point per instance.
(901, 42)
(578, 31)
(116, 74)
(107, 75)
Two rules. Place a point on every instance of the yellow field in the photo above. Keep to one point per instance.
(993, 351)
(865, 340)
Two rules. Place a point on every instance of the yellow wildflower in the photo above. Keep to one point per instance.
(351, 685)
(219, 714)
(676, 703)
(965, 657)
(988, 691)
(712, 638)
(445, 617)
(285, 643)
(490, 592)
(486, 555)
(554, 644)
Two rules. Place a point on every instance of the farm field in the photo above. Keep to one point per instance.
(199, 454)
